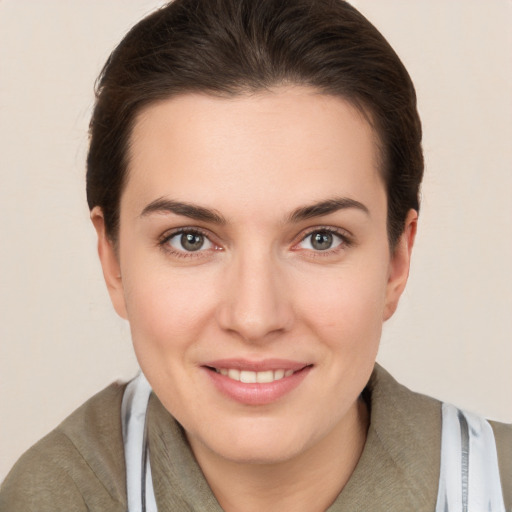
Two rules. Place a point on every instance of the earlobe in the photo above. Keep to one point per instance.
(109, 263)
(400, 264)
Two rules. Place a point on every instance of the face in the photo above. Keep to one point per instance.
(253, 266)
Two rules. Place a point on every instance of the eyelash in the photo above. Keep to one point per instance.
(163, 243)
(345, 241)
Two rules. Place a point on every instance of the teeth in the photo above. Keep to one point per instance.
(278, 374)
(263, 377)
(234, 374)
(250, 377)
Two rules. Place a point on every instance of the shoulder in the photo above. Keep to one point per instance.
(503, 437)
(400, 463)
(418, 418)
(78, 466)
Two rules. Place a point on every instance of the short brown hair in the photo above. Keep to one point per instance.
(231, 47)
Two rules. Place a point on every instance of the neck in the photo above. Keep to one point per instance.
(309, 482)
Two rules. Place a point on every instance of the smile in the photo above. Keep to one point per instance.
(256, 383)
(251, 377)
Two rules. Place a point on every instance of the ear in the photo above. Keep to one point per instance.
(399, 264)
(109, 263)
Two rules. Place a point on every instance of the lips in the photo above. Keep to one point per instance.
(256, 383)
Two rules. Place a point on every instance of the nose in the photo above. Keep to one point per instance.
(255, 301)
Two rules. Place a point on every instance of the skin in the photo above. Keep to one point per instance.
(258, 289)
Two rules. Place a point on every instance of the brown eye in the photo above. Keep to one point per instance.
(189, 241)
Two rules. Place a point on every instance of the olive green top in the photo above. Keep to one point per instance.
(80, 465)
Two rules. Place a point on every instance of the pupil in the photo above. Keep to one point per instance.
(192, 241)
(321, 241)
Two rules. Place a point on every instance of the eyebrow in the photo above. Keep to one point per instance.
(163, 205)
(325, 208)
(192, 211)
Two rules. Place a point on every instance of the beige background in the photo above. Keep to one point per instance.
(60, 340)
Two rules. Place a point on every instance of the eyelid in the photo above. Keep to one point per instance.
(345, 236)
(171, 233)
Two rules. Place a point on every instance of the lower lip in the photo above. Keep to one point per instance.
(257, 394)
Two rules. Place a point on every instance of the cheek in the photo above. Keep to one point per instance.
(166, 308)
(347, 306)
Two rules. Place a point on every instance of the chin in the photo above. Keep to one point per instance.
(259, 446)
(263, 454)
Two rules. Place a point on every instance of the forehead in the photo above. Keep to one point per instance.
(291, 144)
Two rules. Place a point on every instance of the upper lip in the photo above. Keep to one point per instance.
(257, 366)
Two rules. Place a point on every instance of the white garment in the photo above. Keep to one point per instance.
(139, 484)
(469, 478)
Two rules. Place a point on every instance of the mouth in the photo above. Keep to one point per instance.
(256, 383)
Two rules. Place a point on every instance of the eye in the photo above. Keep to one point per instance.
(321, 240)
(189, 241)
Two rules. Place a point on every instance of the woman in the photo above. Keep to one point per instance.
(253, 179)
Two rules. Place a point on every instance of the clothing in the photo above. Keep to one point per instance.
(470, 475)
(80, 465)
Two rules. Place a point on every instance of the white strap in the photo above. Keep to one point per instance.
(139, 485)
(470, 478)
